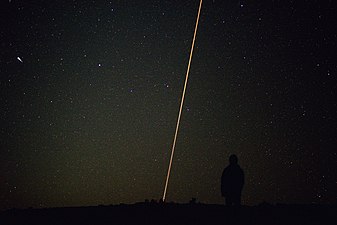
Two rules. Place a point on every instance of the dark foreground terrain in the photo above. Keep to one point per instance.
(170, 213)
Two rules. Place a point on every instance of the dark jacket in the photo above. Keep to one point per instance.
(232, 180)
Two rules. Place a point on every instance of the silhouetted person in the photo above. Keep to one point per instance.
(232, 181)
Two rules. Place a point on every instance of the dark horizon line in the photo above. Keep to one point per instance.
(157, 203)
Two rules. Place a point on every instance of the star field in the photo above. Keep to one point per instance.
(90, 94)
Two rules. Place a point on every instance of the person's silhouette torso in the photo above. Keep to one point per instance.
(232, 181)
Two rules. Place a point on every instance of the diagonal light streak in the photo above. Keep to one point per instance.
(181, 104)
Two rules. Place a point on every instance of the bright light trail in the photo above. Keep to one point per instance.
(181, 104)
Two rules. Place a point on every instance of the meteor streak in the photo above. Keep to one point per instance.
(181, 103)
(18, 58)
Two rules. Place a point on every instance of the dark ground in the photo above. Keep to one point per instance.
(170, 213)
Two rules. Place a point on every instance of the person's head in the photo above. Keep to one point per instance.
(233, 159)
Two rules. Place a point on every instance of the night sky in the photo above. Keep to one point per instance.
(90, 92)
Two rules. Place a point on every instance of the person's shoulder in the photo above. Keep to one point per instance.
(225, 169)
